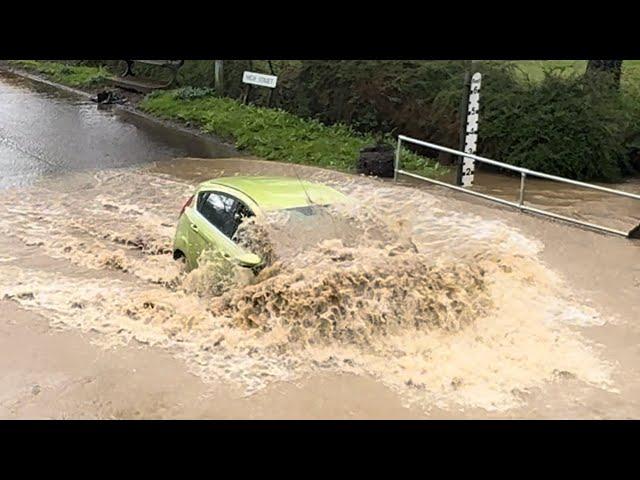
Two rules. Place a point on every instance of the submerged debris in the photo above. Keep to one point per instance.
(108, 97)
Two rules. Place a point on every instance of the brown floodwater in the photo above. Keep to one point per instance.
(584, 204)
(434, 305)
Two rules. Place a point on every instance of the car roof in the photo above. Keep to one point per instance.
(279, 193)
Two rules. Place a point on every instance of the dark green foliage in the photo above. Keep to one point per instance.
(415, 98)
(572, 126)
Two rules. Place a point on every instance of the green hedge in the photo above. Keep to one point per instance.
(575, 126)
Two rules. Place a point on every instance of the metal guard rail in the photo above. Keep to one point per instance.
(524, 172)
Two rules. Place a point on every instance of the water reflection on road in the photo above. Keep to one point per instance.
(44, 131)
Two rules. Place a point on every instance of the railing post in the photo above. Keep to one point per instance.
(396, 163)
(523, 177)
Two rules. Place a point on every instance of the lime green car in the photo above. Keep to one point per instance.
(211, 216)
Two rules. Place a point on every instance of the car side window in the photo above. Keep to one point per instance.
(223, 211)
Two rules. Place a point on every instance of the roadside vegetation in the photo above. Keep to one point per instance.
(271, 133)
(543, 115)
(563, 123)
(72, 75)
(535, 69)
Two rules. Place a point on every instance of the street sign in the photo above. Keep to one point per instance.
(471, 139)
(260, 79)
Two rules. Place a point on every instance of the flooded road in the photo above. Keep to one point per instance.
(580, 203)
(43, 131)
(445, 307)
(599, 208)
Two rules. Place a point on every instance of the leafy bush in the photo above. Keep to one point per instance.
(414, 98)
(190, 93)
(568, 125)
(563, 123)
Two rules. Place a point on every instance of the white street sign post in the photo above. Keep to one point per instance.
(471, 138)
(218, 76)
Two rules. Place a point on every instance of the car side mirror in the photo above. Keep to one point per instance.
(249, 260)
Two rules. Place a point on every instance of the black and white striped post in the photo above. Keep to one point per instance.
(469, 128)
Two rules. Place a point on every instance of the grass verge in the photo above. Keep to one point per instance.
(273, 134)
(71, 75)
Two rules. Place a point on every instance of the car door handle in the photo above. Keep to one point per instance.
(194, 227)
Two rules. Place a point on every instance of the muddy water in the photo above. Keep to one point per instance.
(575, 202)
(468, 317)
(455, 308)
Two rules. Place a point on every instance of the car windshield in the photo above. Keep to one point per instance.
(283, 233)
(300, 227)
(312, 222)
(307, 211)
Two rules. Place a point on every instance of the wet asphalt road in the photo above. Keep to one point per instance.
(44, 131)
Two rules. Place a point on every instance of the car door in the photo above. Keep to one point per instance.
(214, 224)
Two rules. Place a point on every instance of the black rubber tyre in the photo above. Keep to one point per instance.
(377, 161)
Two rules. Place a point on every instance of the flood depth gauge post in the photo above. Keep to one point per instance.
(469, 112)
